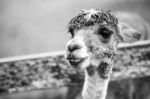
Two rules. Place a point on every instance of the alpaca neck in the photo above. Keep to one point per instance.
(95, 87)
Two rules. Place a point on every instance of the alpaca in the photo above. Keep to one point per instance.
(95, 35)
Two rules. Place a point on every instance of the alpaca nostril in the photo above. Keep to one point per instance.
(73, 47)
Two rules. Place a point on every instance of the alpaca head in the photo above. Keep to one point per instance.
(94, 38)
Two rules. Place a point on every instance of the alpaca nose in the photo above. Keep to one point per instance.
(74, 46)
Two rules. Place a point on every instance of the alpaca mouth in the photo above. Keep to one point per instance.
(75, 62)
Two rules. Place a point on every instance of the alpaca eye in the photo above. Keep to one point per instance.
(105, 33)
(71, 32)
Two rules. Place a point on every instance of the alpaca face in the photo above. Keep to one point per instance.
(91, 45)
(94, 39)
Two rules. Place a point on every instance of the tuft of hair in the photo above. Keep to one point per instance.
(91, 17)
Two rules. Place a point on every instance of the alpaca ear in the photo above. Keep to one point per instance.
(127, 33)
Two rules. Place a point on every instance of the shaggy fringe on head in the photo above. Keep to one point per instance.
(90, 17)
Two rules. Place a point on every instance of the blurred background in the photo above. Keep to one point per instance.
(37, 26)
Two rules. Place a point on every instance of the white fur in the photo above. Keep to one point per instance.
(90, 13)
